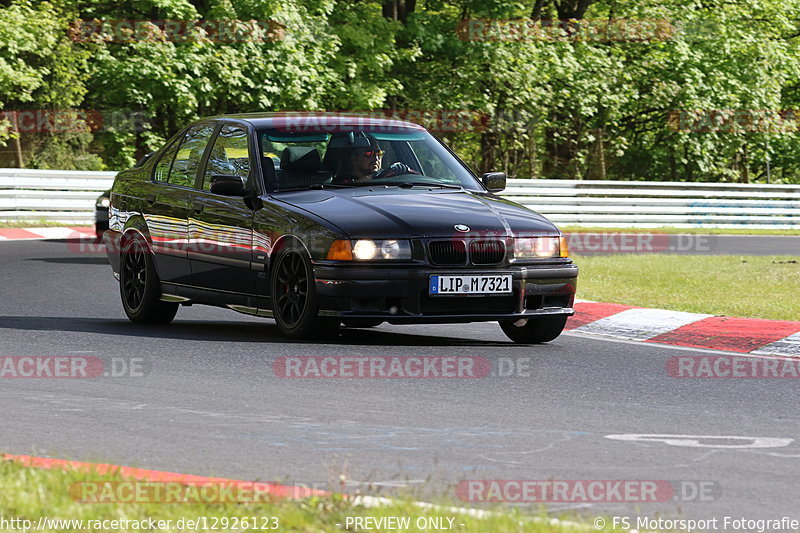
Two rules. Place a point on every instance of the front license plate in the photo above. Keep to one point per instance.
(470, 284)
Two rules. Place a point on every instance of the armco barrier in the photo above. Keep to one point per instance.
(652, 204)
(69, 196)
(64, 196)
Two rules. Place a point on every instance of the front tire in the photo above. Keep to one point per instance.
(294, 299)
(534, 330)
(140, 287)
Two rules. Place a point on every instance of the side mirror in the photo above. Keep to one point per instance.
(494, 181)
(227, 185)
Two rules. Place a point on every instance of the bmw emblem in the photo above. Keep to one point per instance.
(461, 227)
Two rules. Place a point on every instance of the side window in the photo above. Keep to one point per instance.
(229, 155)
(274, 149)
(162, 167)
(184, 169)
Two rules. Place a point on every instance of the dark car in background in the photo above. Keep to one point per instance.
(101, 213)
(249, 212)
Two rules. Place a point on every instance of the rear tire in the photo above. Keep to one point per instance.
(139, 286)
(535, 330)
(294, 298)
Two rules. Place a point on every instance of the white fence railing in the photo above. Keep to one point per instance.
(69, 197)
(652, 204)
(64, 196)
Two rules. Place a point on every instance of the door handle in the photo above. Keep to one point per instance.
(198, 208)
(151, 199)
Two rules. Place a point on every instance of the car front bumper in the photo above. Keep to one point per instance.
(400, 295)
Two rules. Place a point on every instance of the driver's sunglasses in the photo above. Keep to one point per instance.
(370, 153)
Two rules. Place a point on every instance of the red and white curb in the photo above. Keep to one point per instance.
(694, 330)
(30, 234)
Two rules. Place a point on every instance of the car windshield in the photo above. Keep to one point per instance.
(402, 157)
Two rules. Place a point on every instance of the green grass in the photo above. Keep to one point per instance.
(670, 230)
(30, 493)
(742, 286)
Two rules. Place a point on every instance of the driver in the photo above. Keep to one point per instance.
(358, 165)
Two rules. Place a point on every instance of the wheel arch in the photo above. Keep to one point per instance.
(283, 242)
(136, 225)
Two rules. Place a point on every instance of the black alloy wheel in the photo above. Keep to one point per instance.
(140, 287)
(294, 300)
(291, 288)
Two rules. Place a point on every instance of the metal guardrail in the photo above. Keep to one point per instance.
(653, 204)
(68, 196)
(63, 196)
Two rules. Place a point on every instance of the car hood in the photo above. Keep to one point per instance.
(392, 212)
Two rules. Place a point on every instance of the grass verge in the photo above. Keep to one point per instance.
(31, 493)
(670, 230)
(743, 286)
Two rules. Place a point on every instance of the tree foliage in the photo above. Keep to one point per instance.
(582, 89)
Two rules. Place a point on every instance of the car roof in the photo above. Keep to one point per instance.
(318, 120)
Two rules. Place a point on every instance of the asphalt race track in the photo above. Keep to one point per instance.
(209, 403)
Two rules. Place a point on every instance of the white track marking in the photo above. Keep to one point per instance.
(787, 346)
(694, 441)
(640, 324)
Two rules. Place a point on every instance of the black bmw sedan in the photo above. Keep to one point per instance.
(319, 220)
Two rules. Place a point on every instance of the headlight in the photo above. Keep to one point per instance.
(392, 250)
(103, 201)
(369, 250)
(365, 250)
(537, 247)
